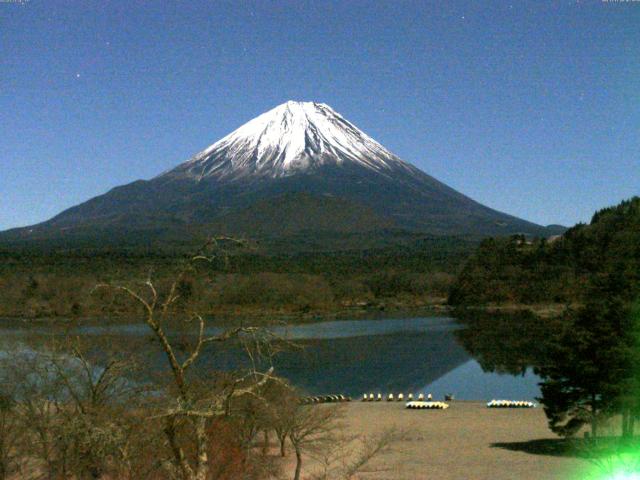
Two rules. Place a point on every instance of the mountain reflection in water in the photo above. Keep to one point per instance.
(350, 357)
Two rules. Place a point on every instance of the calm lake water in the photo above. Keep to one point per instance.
(418, 355)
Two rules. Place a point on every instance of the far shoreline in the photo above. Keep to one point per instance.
(256, 316)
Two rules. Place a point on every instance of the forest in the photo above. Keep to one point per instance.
(255, 279)
(587, 357)
(557, 270)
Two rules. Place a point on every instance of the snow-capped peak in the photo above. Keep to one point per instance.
(291, 138)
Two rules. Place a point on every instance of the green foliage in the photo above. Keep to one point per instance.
(587, 367)
(514, 270)
(591, 367)
(591, 371)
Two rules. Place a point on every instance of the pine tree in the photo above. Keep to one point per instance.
(588, 368)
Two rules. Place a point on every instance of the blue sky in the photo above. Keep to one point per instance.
(530, 107)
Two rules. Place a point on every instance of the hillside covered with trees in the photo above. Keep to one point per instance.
(297, 278)
(557, 270)
(587, 358)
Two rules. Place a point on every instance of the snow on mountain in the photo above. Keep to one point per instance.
(291, 138)
(298, 168)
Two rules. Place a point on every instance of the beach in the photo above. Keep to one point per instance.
(465, 441)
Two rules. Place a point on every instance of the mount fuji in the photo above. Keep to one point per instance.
(298, 168)
(295, 137)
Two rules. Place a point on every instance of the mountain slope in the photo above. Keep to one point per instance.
(297, 148)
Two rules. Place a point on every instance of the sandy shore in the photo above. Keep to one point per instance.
(466, 441)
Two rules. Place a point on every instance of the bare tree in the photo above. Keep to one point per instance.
(346, 456)
(370, 447)
(71, 416)
(37, 395)
(312, 428)
(192, 407)
(282, 403)
(96, 419)
(10, 434)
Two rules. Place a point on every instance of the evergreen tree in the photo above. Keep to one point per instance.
(629, 397)
(587, 369)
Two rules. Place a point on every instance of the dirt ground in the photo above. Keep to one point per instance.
(465, 442)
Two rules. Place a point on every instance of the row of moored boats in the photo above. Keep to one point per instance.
(398, 398)
(510, 404)
(419, 402)
(325, 399)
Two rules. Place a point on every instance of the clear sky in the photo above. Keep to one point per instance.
(530, 107)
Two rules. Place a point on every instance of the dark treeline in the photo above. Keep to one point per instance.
(515, 270)
(588, 357)
(38, 282)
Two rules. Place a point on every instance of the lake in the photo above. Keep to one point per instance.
(417, 355)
